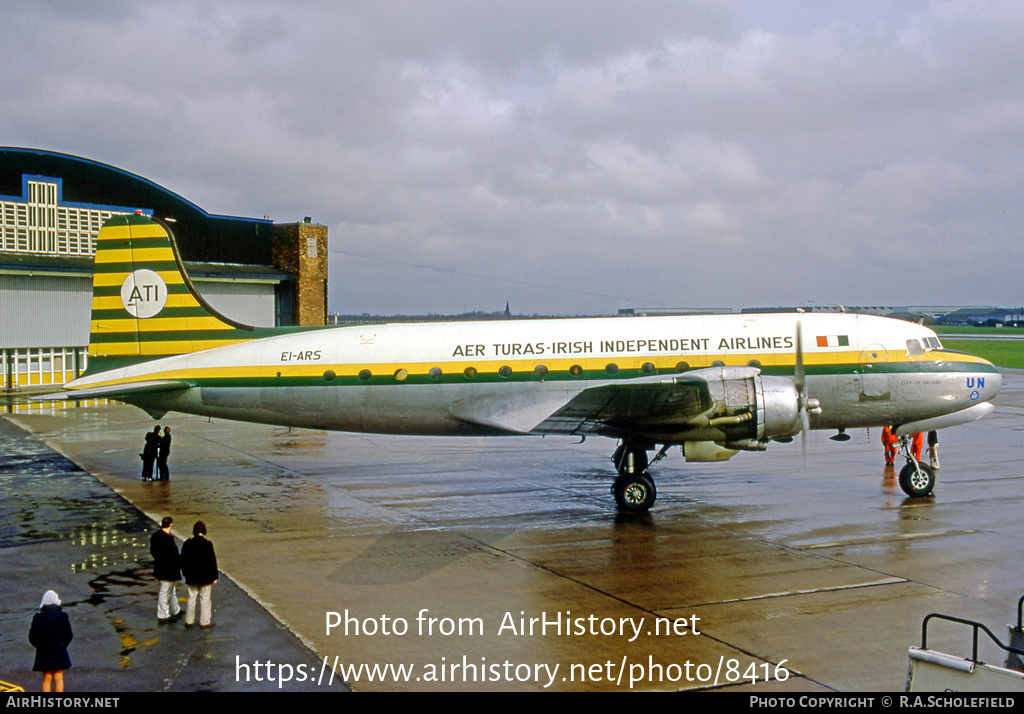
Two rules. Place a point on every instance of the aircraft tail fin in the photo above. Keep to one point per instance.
(143, 304)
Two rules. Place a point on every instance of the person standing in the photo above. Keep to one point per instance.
(889, 441)
(166, 569)
(933, 449)
(51, 634)
(149, 452)
(199, 566)
(163, 451)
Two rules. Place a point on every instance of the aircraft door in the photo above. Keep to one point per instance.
(874, 376)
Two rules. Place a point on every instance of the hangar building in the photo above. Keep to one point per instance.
(52, 206)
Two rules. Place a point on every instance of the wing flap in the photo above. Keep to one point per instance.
(622, 405)
(625, 405)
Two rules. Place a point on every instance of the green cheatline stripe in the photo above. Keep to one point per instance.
(330, 378)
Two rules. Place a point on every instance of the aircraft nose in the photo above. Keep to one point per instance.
(995, 384)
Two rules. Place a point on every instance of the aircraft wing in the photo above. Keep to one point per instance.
(625, 405)
(619, 405)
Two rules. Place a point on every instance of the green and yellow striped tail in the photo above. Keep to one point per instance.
(143, 304)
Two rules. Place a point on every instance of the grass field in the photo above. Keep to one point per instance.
(1002, 354)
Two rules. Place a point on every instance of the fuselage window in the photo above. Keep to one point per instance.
(505, 371)
(718, 363)
(470, 372)
(648, 368)
(401, 374)
(612, 368)
(754, 363)
(435, 373)
(540, 370)
(365, 375)
(329, 375)
(682, 366)
(575, 370)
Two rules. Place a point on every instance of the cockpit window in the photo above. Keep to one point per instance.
(914, 347)
(933, 343)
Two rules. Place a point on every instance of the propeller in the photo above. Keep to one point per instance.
(805, 405)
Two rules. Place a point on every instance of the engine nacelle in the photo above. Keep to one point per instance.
(752, 408)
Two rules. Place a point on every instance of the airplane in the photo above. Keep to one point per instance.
(714, 385)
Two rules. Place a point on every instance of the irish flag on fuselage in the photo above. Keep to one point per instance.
(833, 341)
(143, 304)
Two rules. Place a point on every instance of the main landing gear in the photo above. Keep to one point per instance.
(634, 488)
(917, 479)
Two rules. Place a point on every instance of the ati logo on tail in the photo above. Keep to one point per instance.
(143, 294)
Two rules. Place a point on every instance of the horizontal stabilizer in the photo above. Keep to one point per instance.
(116, 391)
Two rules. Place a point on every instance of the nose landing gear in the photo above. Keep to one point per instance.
(917, 479)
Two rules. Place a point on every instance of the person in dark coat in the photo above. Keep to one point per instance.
(199, 566)
(163, 451)
(51, 634)
(149, 452)
(166, 569)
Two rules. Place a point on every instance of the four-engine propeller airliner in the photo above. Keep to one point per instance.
(714, 385)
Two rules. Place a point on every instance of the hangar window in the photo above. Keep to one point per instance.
(914, 347)
(435, 373)
(505, 371)
(401, 374)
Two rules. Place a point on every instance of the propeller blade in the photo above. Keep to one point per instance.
(798, 369)
(800, 381)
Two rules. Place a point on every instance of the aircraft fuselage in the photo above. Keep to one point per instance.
(438, 378)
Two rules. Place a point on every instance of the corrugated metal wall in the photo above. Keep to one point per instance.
(43, 311)
(246, 302)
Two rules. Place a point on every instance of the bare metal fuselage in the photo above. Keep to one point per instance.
(506, 377)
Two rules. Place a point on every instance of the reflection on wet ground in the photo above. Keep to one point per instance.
(62, 529)
(818, 564)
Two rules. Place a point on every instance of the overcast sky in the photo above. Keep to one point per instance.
(569, 157)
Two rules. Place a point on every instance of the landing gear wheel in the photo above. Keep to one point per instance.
(634, 493)
(917, 480)
(630, 460)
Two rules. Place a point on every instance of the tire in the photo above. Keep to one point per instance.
(914, 484)
(634, 493)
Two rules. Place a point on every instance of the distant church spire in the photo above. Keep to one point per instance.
(507, 311)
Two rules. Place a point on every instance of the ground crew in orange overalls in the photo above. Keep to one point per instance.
(889, 442)
(917, 445)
